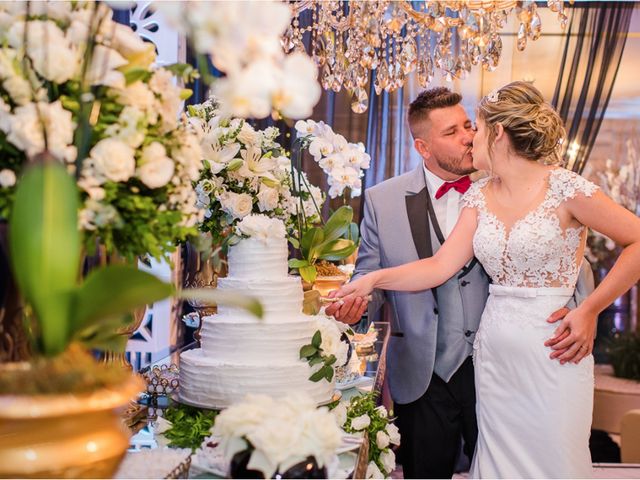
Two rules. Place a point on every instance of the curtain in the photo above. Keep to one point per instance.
(595, 42)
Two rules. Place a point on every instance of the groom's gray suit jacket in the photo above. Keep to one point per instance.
(431, 330)
(426, 333)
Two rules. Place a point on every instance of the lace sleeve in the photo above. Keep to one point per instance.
(568, 184)
(474, 197)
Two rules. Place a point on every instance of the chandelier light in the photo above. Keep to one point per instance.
(350, 39)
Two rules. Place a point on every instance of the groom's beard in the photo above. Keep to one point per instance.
(456, 165)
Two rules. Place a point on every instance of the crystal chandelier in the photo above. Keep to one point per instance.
(350, 39)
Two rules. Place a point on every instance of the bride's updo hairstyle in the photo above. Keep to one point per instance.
(533, 126)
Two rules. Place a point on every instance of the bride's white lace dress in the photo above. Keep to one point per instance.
(534, 414)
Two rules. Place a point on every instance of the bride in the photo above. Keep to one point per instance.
(526, 224)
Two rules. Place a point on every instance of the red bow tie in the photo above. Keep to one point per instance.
(461, 185)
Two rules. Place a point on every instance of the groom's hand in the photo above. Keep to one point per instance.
(563, 350)
(349, 310)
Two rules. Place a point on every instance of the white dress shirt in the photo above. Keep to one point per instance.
(447, 207)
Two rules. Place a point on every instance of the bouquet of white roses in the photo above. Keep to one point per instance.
(246, 171)
(362, 415)
(77, 84)
(278, 433)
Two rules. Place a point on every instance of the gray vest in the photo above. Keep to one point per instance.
(458, 314)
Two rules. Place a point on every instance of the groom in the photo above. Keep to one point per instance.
(429, 366)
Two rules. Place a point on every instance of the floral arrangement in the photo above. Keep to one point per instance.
(243, 39)
(362, 415)
(246, 171)
(260, 227)
(343, 162)
(77, 84)
(326, 349)
(622, 184)
(279, 433)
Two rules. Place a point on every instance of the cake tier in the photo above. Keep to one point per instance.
(209, 383)
(253, 258)
(279, 296)
(249, 340)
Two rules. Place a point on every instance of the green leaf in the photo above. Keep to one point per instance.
(338, 223)
(337, 250)
(294, 242)
(354, 233)
(315, 361)
(308, 351)
(320, 374)
(132, 75)
(104, 335)
(316, 341)
(328, 372)
(234, 164)
(114, 291)
(45, 248)
(308, 273)
(311, 239)
(330, 360)
(214, 296)
(296, 263)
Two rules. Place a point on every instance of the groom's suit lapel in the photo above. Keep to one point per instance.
(416, 201)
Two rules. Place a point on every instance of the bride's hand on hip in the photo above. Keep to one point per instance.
(574, 337)
(361, 287)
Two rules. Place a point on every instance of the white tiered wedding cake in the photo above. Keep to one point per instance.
(242, 354)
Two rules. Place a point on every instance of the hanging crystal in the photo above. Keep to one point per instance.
(326, 79)
(492, 55)
(319, 53)
(287, 40)
(522, 37)
(423, 76)
(359, 100)
(535, 27)
(382, 77)
(409, 55)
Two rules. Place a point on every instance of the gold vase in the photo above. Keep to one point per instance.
(325, 284)
(65, 435)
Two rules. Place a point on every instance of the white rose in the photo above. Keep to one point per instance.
(7, 178)
(113, 160)
(394, 434)
(238, 205)
(18, 89)
(249, 136)
(138, 95)
(373, 471)
(267, 198)
(127, 128)
(382, 439)
(340, 413)
(156, 169)
(26, 129)
(261, 227)
(189, 155)
(388, 460)
(331, 343)
(382, 410)
(103, 68)
(361, 422)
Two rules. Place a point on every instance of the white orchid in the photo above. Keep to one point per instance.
(243, 40)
